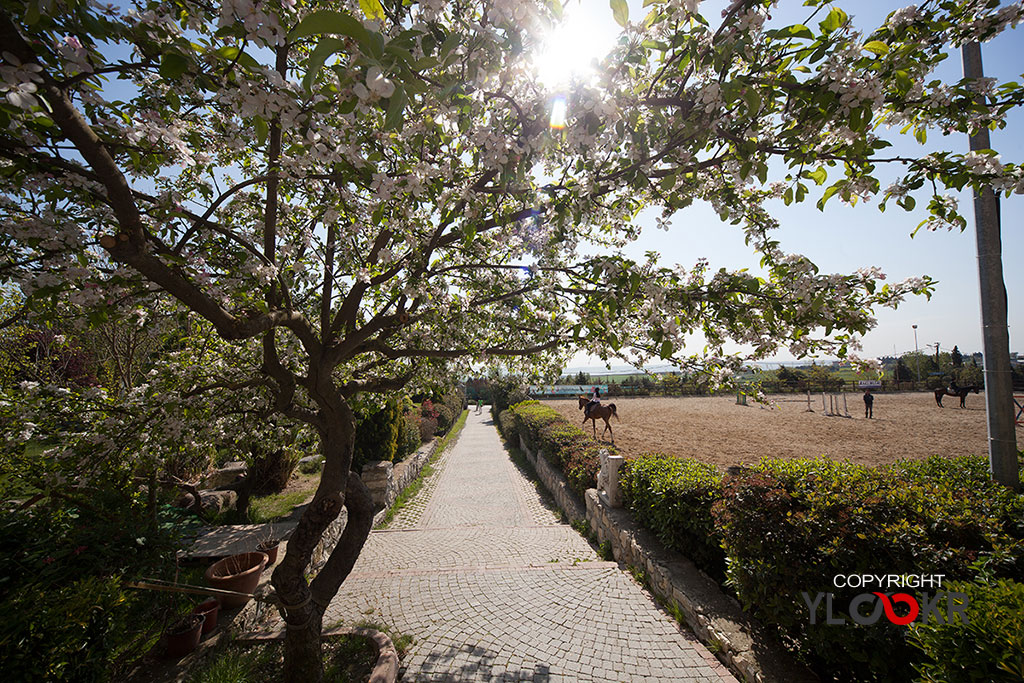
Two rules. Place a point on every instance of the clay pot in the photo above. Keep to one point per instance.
(183, 636)
(209, 609)
(239, 573)
(270, 548)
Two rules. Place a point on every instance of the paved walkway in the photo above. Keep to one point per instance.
(493, 587)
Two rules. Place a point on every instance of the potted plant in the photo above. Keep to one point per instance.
(183, 635)
(269, 547)
(209, 609)
(238, 573)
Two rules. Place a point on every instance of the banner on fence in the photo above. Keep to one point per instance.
(566, 389)
(869, 384)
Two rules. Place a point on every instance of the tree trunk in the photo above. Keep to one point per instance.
(303, 604)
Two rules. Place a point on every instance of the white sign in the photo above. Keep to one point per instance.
(869, 383)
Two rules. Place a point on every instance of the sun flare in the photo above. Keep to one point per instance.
(570, 49)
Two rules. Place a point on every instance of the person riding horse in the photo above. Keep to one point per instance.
(595, 400)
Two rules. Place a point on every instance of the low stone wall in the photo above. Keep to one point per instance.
(743, 645)
(554, 481)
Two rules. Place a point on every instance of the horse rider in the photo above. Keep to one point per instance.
(595, 400)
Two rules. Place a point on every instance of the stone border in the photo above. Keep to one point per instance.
(384, 671)
(749, 650)
(555, 483)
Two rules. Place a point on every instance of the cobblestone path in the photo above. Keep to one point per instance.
(493, 587)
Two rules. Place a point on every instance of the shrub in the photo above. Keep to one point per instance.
(445, 417)
(507, 423)
(791, 526)
(506, 392)
(271, 470)
(564, 445)
(989, 648)
(376, 434)
(673, 497)
(408, 435)
(428, 425)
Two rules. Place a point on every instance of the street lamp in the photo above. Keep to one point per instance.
(917, 355)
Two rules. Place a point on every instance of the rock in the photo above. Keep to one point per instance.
(228, 474)
(210, 501)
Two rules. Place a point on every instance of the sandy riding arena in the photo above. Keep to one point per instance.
(716, 430)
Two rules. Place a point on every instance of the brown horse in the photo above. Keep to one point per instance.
(959, 392)
(599, 411)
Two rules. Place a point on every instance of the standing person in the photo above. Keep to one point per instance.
(595, 400)
(479, 404)
(868, 401)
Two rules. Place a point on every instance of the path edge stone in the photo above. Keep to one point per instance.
(385, 670)
(746, 647)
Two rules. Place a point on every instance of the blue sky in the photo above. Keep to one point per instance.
(844, 238)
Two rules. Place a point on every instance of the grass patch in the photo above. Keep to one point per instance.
(402, 641)
(414, 487)
(346, 659)
(275, 506)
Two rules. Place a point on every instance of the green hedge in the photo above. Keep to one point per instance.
(990, 648)
(564, 445)
(507, 424)
(789, 526)
(673, 497)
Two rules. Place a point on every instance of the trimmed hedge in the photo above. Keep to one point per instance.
(564, 445)
(673, 497)
(990, 648)
(792, 526)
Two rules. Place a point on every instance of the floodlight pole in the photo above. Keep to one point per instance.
(1002, 436)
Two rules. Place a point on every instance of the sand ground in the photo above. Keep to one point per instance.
(715, 429)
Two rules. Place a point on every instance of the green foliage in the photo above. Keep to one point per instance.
(275, 506)
(605, 551)
(445, 415)
(792, 525)
(408, 435)
(271, 469)
(564, 445)
(507, 391)
(68, 616)
(989, 648)
(507, 424)
(377, 430)
(673, 497)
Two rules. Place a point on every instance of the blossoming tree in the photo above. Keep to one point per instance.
(366, 194)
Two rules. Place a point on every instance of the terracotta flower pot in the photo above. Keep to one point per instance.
(239, 573)
(209, 609)
(183, 637)
(270, 548)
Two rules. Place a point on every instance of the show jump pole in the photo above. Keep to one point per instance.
(1002, 436)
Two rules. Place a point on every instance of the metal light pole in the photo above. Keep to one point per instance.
(917, 356)
(1002, 436)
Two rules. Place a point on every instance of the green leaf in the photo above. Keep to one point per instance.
(795, 31)
(173, 65)
(324, 49)
(556, 7)
(331, 21)
(666, 349)
(620, 10)
(396, 109)
(833, 21)
(877, 47)
(262, 129)
(818, 175)
(372, 9)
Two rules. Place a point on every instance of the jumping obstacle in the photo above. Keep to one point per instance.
(830, 405)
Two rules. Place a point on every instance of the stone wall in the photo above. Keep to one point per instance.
(743, 645)
(554, 481)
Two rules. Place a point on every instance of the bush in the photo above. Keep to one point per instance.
(428, 425)
(271, 470)
(791, 526)
(408, 435)
(673, 497)
(445, 417)
(506, 392)
(989, 648)
(507, 423)
(377, 432)
(564, 445)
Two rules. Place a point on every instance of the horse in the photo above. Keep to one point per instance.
(960, 392)
(599, 411)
